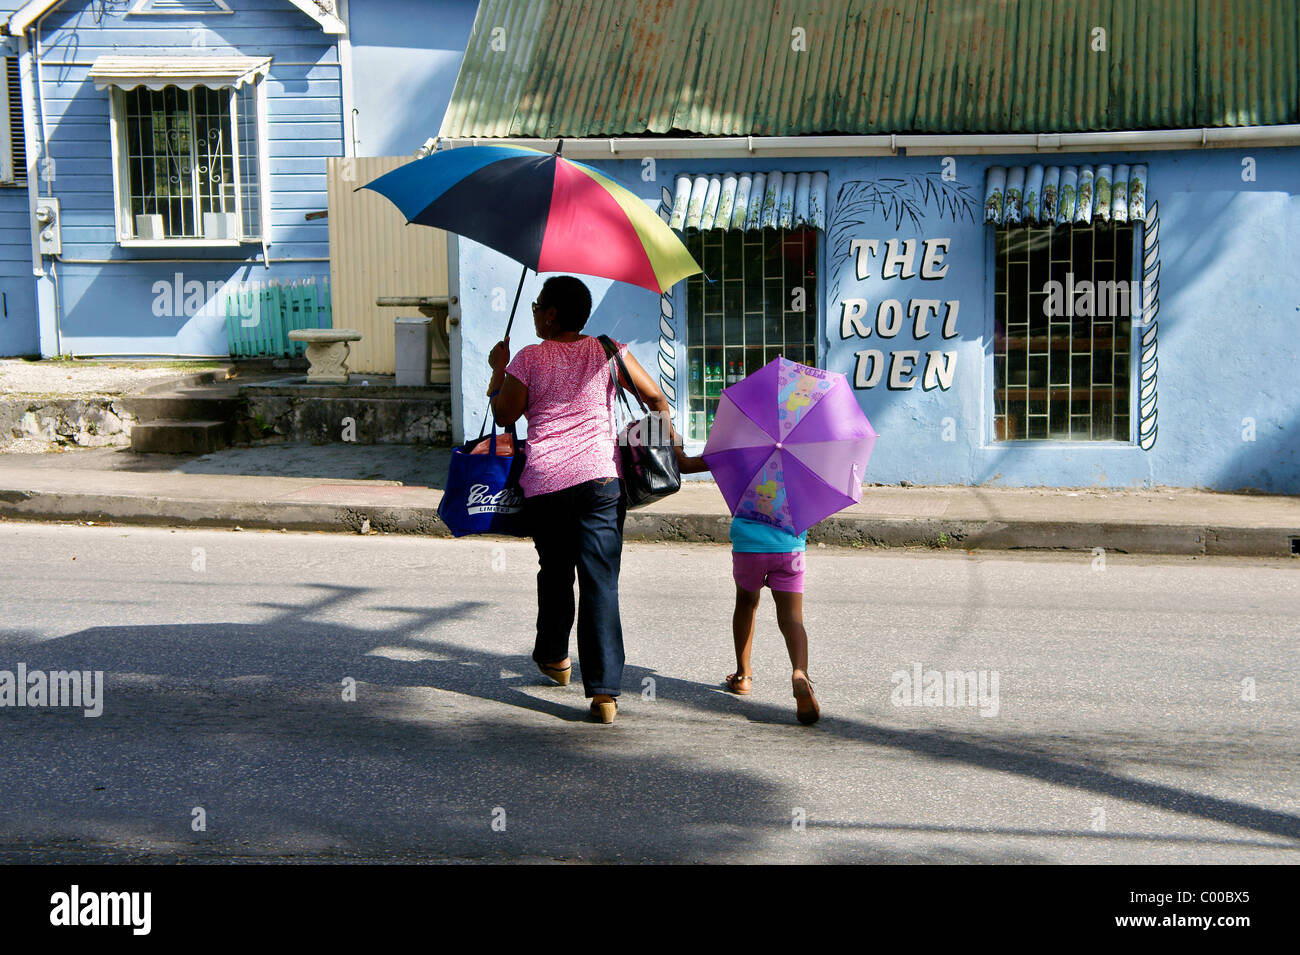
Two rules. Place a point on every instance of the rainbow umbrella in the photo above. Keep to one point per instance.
(548, 212)
(789, 445)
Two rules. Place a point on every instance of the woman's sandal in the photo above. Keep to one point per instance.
(739, 685)
(560, 675)
(604, 712)
(806, 707)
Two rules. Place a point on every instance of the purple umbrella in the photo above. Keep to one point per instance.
(789, 445)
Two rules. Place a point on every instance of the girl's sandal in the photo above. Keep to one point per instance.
(739, 685)
(806, 708)
(560, 675)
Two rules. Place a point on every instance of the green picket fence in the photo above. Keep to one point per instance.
(260, 316)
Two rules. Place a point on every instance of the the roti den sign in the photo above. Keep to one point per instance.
(932, 320)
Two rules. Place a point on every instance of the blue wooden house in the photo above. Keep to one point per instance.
(159, 152)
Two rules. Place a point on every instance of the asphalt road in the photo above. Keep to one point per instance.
(1119, 731)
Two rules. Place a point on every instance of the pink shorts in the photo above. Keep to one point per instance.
(782, 572)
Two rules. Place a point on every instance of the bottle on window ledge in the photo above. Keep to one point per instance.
(713, 380)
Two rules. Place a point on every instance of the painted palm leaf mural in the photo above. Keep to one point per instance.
(863, 204)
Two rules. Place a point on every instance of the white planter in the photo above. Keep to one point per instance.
(220, 225)
(149, 227)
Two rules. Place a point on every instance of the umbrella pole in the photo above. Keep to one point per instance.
(513, 307)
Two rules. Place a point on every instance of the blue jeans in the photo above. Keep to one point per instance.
(580, 528)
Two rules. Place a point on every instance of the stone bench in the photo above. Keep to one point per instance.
(327, 352)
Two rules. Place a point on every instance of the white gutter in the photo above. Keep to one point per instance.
(31, 140)
(1120, 141)
(345, 80)
(719, 146)
(40, 106)
(915, 145)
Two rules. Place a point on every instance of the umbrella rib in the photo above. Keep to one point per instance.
(791, 439)
(770, 442)
(794, 446)
(820, 480)
(750, 479)
(757, 424)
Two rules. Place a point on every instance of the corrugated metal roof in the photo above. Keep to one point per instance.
(574, 68)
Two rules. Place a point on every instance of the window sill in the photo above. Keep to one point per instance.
(1058, 444)
(185, 243)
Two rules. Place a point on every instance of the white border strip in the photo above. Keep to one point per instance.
(1150, 306)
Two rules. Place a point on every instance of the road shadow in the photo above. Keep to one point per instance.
(249, 721)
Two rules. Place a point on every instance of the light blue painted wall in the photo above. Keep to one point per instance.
(405, 55)
(1229, 310)
(18, 332)
(110, 308)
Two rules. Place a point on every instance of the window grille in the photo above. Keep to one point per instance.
(180, 163)
(1063, 306)
(761, 303)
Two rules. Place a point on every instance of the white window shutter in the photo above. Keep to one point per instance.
(6, 143)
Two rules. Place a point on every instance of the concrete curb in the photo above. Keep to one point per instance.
(182, 512)
(937, 533)
(957, 534)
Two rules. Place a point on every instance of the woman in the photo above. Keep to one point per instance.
(573, 494)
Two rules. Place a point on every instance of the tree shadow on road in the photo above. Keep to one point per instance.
(248, 721)
(1014, 756)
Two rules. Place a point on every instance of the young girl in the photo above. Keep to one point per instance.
(765, 555)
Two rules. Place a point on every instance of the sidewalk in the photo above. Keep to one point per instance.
(394, 488)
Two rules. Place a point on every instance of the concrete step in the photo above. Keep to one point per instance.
(200, 404)
(177, 436)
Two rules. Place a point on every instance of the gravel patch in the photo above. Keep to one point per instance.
(27, 445)
(19, 377)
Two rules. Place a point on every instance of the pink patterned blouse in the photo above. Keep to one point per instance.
(570, 414)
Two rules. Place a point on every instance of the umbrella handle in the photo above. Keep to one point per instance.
(513, 307)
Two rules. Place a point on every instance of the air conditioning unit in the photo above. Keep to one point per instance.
(149, 227)
(220, 225)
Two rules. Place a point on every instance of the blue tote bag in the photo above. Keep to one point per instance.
(483, 494)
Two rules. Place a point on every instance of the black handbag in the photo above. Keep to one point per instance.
(645, 445)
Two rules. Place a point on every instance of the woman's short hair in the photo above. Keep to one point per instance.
(570, 299)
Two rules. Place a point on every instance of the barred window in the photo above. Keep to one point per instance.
(188, 163)
(762, 303)
(1063, 306)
